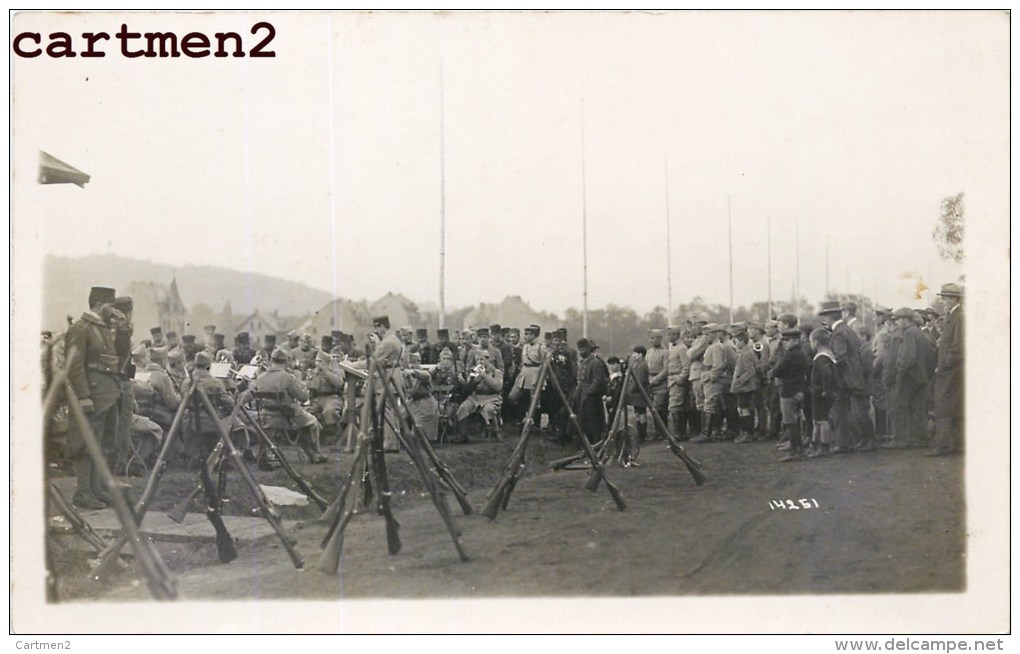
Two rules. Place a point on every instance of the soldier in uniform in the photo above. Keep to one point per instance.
(484, 345)
(658, 372)
(279, 379)
(429, 355)
(561, 364)
(388, 353)
(159, 344)
(716, 377)
(94, 374)
(302, 358)
(533, 354)
(678, 366)
(146, 433)
(243, 354)
(123, 330)
(293, 342)
(697, 354)
(949, 379)
(172, 341)
(191, 348)
(209, 339)
(326, 385)
(760, 346)
(485, 381)
(506, 355)
(421, 402)
(443, 342)
(218, 396)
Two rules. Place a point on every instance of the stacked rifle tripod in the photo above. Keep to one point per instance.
(597, 455)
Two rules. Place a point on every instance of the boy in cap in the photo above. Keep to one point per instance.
(823, 391)
(744, 386)
(792, 371)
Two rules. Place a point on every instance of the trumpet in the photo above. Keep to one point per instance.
(758, 347)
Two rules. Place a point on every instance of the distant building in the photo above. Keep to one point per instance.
(401, 311)
(340, 314)
(156, 305)
(513, 311)
(258, 325)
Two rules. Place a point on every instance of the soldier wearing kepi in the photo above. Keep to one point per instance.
(327, 387)
(532, 355)
(949, 382)
(678, 366)
(428, 354)
(278, 379)
(243, 354)
(94, 375)
(159, 345)
(658, 377)
(388, 353)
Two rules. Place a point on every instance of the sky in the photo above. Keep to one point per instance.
(332, 163)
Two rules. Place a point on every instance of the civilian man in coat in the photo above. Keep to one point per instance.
(850, 383)
(949, 379)
(592, 384)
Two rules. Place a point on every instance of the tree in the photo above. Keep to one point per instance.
(948, 233)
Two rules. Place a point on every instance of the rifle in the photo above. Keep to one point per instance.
(602, 447)
(499, 497)
(81, 527)
(382, 484)
(599, 470)
(271, 516)
(161, 584)
(225, 548)
(693, 465)
(298, 479)
(332, 543)
(435, 489)
(108, 555)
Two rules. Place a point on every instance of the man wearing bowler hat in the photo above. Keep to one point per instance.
(851, 388)
(906, 376)
(949, 375)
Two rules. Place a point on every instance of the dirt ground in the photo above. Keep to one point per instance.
(878, 522)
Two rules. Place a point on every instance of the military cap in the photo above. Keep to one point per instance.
(754, 324)
(534, 329)
(719, 327)
(146, 343)
(951, 290)
(279, 355)
(269, 339)
(242, 337)
(101, 295)
(791, 332)
(709, 327)
(849, 306)
(882, 311)
(483, 331)
(655, 332)
(210, 328)
(771, 323)
(903, 312)
(156, 330)
(175, 355)
(337, 334)
(422, 331)
(587, 343)
(443, 333)
(787, 318)
(159, 355)
(219, 338)
(934, 312)
(549, 335)
(560, 333)
(496, 328)
(612, 360)
(139, 352)
(829, 306)
(124, 303)
(381, 321)
(563, 330)
(515, 330)
(327, 342)
(505, 331)
(188, 338)
(171, 334)
(738, 327)
(674, 329)
(202, 359)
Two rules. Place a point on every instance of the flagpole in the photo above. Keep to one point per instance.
(769, 240)
(796, 279)
(337, 313)
(442, 203)
(827, 266)
(584, 227)
(729, 223)
(669, 259)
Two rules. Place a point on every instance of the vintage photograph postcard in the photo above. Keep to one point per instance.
(510, 322)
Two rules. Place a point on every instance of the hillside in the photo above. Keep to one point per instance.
(67, 281)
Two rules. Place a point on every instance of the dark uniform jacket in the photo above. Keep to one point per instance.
(94, 371)
(217, 394)
(949, 380)
(792, 371)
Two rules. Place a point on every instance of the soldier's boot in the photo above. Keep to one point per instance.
(310, 445)
(676, 425)
(706, 429)
(745, 430)
(83, 497)
(695, 423)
